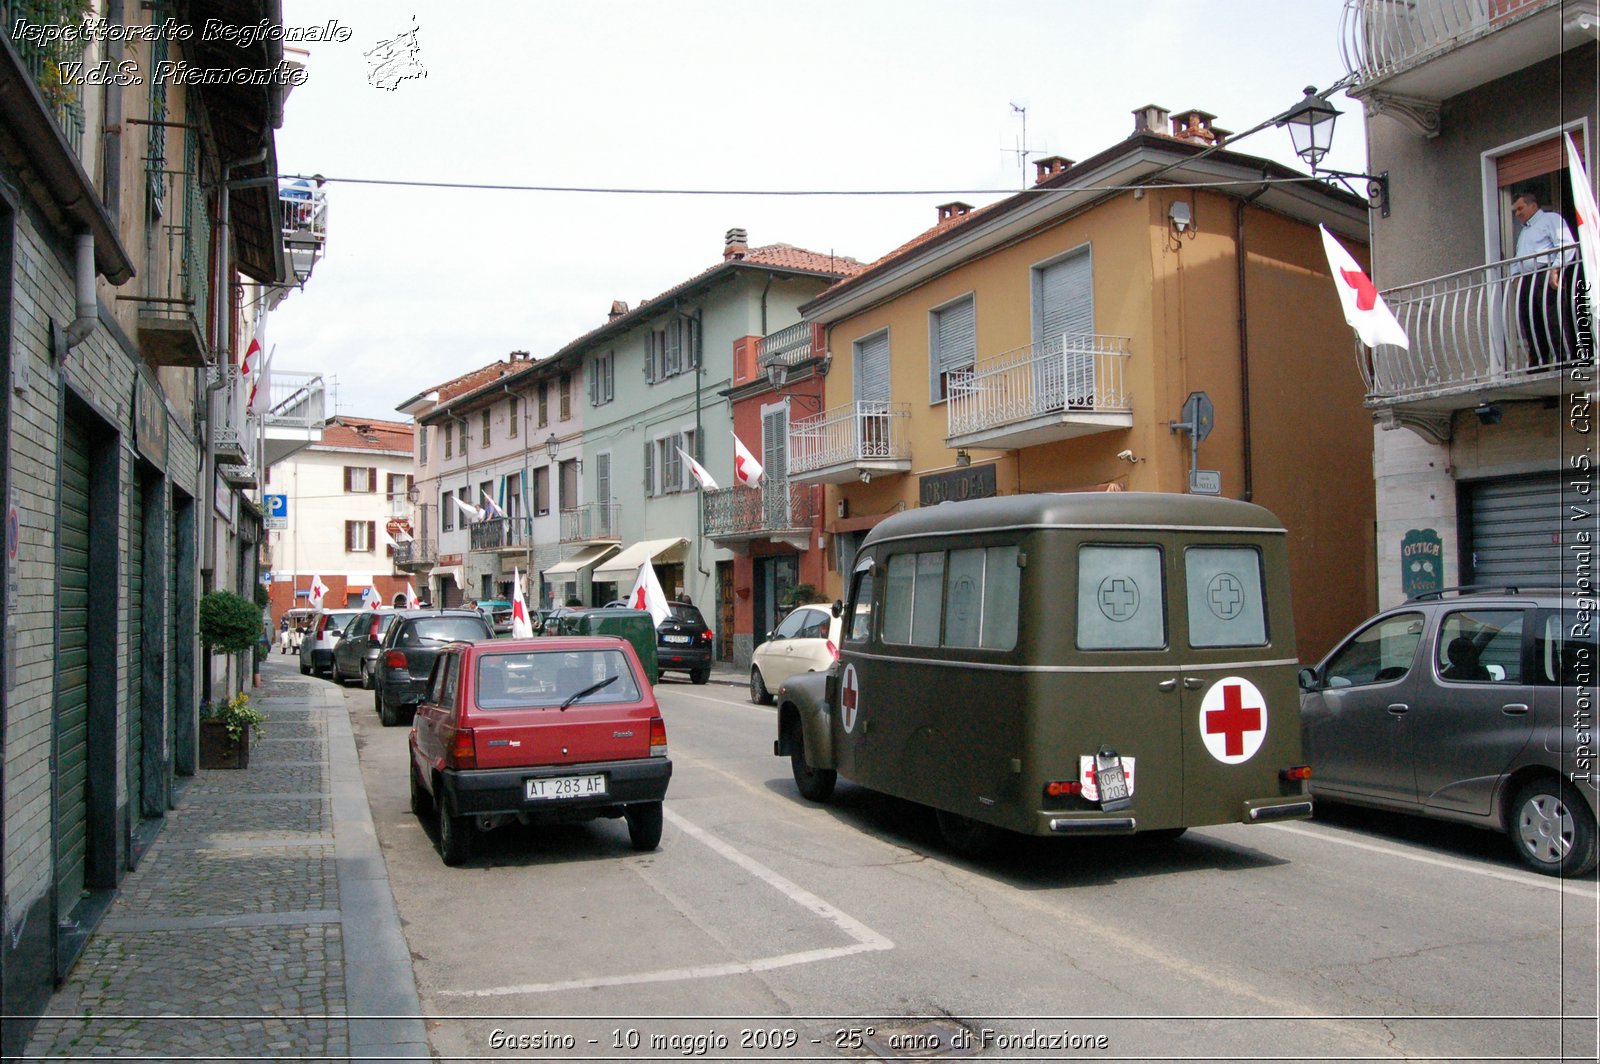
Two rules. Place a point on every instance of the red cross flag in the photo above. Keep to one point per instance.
(412, 602)
(699, 471)
(1233, 720)
(1364, 308)
(1588, 216)
(849, 698)
(468, 509)
(318, 589)
(647, 595)
(521, 626)
(249, 353)
(746, 470)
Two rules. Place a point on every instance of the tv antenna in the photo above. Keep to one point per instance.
(1022, 151)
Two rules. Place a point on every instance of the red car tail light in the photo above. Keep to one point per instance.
(658, 737)
(322, 626)
(706, 635)
(463, 752)
(833, 651)
(395, 659)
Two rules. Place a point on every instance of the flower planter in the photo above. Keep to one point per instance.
(218, 750)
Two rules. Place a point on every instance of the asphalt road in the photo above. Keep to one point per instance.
(766, 927)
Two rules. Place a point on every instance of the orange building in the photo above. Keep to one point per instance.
(1052, 342)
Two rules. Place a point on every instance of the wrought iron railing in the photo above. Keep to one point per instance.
(864, 431)
(1483, 326)
(416, 552)
(776, 506)
(791, 346)
(592, 520)
(44, 62)
(1378, 38)
(1061, 375)
(498, 532)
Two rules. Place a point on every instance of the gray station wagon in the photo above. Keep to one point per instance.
(1472, 705)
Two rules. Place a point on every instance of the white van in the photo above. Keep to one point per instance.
(316, 649)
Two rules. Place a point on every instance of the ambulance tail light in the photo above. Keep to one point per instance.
(1062, 788)
(1295, 773)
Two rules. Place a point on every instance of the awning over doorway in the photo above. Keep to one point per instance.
(625, 566)
(582, 560)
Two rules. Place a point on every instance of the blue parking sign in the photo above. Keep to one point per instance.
(277, 511)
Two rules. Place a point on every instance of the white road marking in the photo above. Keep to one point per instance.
(1526, 879)
(865, 939)
(734, 703)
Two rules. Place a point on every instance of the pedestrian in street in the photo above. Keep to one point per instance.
(1546, 284)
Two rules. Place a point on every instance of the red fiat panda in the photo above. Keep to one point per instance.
(538, 731)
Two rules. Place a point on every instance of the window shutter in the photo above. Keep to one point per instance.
(1547, 156)
(674, 353)
(692, 341)
(649, 467)
(872, 370)
(955, 343)
(372, 478)
(602, 479)
(411, 482)
(650, 357)
(347, 472)
(372, 535)
(349, 535)
(594, 383)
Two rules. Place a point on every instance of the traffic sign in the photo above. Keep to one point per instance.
(1198, 415)
(277, 511)
(1205, 482)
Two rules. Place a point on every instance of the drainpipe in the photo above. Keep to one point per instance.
(111, 153)
(1244, 343)
(699, 437)
(88, 302)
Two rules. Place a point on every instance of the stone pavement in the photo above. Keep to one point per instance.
(260, 922)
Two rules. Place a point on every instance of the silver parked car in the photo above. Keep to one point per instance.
(1472, 705)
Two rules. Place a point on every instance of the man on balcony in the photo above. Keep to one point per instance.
(1546, 255)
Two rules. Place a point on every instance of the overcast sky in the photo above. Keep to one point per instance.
(421, 284)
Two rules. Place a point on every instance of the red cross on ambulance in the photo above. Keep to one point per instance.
(1233, 720)
(849, 698)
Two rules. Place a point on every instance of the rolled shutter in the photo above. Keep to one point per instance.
(872, 369)
(649, 467)
(956, 343)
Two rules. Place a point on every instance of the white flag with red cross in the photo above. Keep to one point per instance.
(1364, 308)
(647, 595)
(412, 602)
(698, 471)
(746, 470)
(1588, 217)
(318, 590)
(521, 625)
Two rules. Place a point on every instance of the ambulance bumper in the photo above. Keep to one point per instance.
(1110, 825)
(1264, 811)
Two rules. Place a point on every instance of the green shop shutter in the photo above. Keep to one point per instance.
(72, 692)
(135, 646)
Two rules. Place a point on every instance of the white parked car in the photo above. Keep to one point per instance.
(807, 640)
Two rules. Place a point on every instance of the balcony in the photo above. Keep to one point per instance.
(799, 343)
(593, 522)
(172, 311)
(1467, 345)
(501, 534)
(304, 207)
(416, 556)
(239, 474)
(857, 441)
(1425, 51)
(778, 510)
(1058, 389)
(44, 62)
(295, 413)
(227, 444)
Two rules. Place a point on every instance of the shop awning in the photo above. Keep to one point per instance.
(581, 560)
(625, 566)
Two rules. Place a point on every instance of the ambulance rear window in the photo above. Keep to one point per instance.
(1121, 603)
(1227, 607)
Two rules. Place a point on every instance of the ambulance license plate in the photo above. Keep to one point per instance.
(1111, 781)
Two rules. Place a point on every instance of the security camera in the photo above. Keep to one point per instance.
(1126, 456)
(866, 476)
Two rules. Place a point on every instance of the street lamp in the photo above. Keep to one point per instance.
(1310, 125)
(552, 447)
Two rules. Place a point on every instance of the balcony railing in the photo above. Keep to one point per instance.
(298, 401)
(856, 434)
(45, 62)
(172, 310)
(591, 521)
(1067, 374)
(499, 533)
(1489, 326)
(746, 513)
(800, 342)
(416, 554)
(1379, 38)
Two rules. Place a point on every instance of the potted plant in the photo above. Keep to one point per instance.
(229, 624)
(225, 732)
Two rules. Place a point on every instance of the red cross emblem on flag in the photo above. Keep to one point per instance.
(849, 698)
(1233, 720)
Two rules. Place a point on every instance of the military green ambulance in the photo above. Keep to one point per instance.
(1063, 664)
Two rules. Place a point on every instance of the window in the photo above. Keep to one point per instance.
(566, 396)
(485, 493)
(422, 445)
(513, 415)
(447, 511)
(963, 598)
(1226, 603)
(1122, 604)
(1379, 653)
(952, 346)
(514, 496)
(362, 480)
(544, 403)
(665, 470)
(671, 348)
(911, 600)
(399, 486)
(569, 484)
(541, 490)
(860, 623)
(448, 428)
(358, 536)
(791, 625)
(1480, 646)
(602, 379)
(1564, 651)
(485, 433)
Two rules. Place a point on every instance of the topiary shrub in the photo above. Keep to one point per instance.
(229, 623)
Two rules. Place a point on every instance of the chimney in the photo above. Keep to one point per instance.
(519, 356)
(1195, 127)
(1151, 118)
(735, 245)
(951, 210)
(619, 307)
(1049, 167)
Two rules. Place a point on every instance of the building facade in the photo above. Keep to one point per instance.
(1483, 423)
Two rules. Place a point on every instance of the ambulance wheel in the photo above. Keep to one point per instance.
(1552, 829)
(964, 835)
(758, 688)
(1164, 834)
(815, 784)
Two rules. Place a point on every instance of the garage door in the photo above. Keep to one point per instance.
(136, 519)
(72, 691)
(1515, 532)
